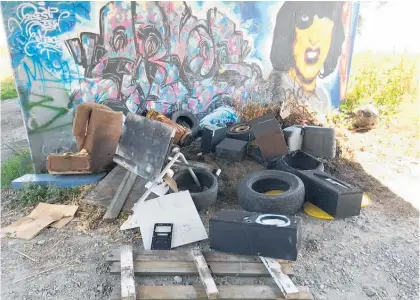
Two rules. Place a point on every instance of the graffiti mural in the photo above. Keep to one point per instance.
(196, 56)
(161, 56)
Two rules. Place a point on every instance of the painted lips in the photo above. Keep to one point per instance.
(311, 56)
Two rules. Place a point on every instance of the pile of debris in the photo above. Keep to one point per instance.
(165, 192)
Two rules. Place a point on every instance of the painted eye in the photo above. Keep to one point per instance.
(304, 18)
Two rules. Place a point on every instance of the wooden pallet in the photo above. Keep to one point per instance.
(173, 262)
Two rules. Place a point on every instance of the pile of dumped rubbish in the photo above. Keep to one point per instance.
(165, 193)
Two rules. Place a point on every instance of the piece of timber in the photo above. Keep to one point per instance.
(226, 292)
(152, 268)
(286, 286)
(205, 275)
(120, 196)
(128, 290)
(179, 255)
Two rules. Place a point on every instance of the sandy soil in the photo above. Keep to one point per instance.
(371, 256)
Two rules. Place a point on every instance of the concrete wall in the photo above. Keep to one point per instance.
(172, 55)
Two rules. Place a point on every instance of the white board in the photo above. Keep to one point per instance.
(177, 208)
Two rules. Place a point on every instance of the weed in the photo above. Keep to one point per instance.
(8, 88)
(17, 165)
(32, 194)
(383, 80)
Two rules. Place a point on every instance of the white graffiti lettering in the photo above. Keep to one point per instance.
(37, 23)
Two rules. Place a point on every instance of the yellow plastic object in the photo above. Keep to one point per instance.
(365, 201)
(274, 192)
(316, 212)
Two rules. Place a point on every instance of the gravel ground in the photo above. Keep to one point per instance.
(372, 256)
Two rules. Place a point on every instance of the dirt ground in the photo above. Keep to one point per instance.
(372, 256)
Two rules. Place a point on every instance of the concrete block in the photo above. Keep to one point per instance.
(69, 163)
(57, 180)
(211, 137)
(231, 149)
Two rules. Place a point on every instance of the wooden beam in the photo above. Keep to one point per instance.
(189, 268)
(205, 275)
(287, 287)
(120, 196)
(128, 290)
(226, 292)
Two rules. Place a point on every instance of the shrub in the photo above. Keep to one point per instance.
(383, 80)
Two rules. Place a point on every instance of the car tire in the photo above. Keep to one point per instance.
(241, 131)
(202, 199)
(186, 119)
(252, 189)
(295, 161)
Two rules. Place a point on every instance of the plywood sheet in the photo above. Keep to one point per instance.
(177, 208)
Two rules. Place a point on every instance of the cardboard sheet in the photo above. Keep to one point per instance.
(54, 215)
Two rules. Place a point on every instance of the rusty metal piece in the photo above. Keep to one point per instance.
(182, 134)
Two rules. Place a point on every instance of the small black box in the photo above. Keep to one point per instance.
(251, 233)
(231, 149)
(211, 137)
(330, 194)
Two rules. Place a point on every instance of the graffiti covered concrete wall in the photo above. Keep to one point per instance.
(168, 56)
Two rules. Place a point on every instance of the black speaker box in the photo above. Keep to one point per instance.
(332, 195)
(211, 137)
(251, 233)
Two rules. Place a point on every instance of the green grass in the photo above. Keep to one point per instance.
(8, 88)
(31, 194)
(17, 165)
(385, 80)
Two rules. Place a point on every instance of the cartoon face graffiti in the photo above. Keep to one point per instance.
(306, 45)
(311, 46)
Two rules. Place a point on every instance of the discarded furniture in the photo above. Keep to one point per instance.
(97, 129)
(56, 180)
(319, 141)
(294, 137)
(269, 137)
(193, 263)
(202, 196)
(176, 208)
(240, 131)
(295, 161)
(250, 233)
(271, 191)
(334, 196)
(231, 149)
(144, 145)
(182, 136)
(69, 163)
(211, 136)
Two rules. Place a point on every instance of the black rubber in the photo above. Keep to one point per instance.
(241, 131)
(252, 198)
(295, 161)
(202, 199)
(186, 119)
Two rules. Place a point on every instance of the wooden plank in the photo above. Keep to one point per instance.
(120, 196)
(286, 286)
(185, 256)
(189, 268)
(205, 275)
(226, 292)
(128, 290)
